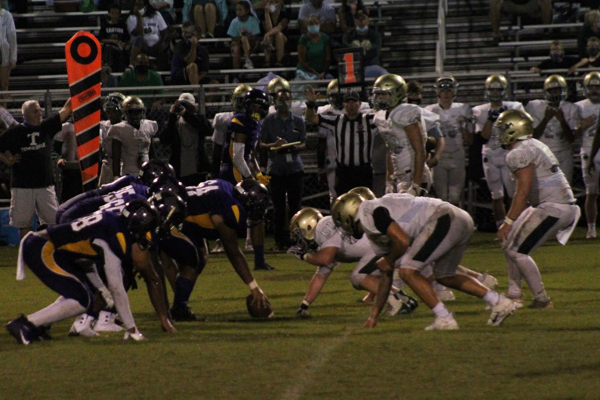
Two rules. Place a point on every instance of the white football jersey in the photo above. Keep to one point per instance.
(105, 141)
(349, 249)
(549, 183)
(480, 114)
(219, 124)
(586, 108)
(135, 144)
(431, 119)
(392, 131)
(553, 136)
(411, 213)
(450, 125)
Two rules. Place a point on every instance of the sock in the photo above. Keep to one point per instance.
(592, 226)
(259, 256)
(183, 291)
(491, 297)
(440, 310)
(61, 309)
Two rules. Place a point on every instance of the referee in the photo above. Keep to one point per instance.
(354, 134)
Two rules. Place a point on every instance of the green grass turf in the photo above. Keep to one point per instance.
(549, 354)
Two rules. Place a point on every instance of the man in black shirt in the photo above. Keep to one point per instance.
(32, 178)
(190, 60)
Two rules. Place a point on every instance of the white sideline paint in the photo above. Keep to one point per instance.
(308, 371)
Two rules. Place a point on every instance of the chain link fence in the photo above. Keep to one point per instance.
(213, 99)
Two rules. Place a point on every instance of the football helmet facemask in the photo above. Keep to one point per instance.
(497, 82)
(334, 96)
(555, 82)
(303, 226)
(592, 81)
(171, 208)
(134, 110)
(513, 125)
(446, 82)
(256, 104)
(237, 97)
(142, 221)
(166, 183)
(113, 102)
(254, 196)
(344, 212)
(392, 85)
(153, 169)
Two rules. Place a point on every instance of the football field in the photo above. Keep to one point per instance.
(535, 354)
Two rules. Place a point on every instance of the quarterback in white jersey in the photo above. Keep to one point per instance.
(496, 174)
(543, 206)
(418, 231)
(402, 127)
(588, 110)
(132, 138)
(555, 119)
(455, 124)
(332, 247)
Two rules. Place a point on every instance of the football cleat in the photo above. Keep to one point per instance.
(489, 281)
(443, 324)
(503, 309)
(591, 234)
(83, 326)
(218, 247)
(106, 322)
(265, 267)
(184, 314)
(22, 330)
(445, 294)
(541, 304)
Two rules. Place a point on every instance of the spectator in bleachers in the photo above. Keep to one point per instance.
(539, 8)
(165, 8)
(190, 62)
(142, 75)
(244, 31)
(275, 23)
(556, 60)
(325, 12)
(205, 14)
(147, 29)
(592, 60)
(369, 40)
(184, 134)
(8, 48)
(348, 12)
(314, 51)
(591, 28)
(114, 38)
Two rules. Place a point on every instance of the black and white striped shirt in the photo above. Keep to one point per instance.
(353, 138)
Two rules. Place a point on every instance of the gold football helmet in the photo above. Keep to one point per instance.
(553, 82)
(344, 212)
(334, 96)
(514, 125)
(592, 81)
(392, 85)
(364, 192)
(303, 226)
(446, 82)
(113, 101)
(237, 97)
(276, 85)
(134, 109)
(495, 82)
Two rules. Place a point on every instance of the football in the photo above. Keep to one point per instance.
(256, 311)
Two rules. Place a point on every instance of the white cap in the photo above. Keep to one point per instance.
(187, 97)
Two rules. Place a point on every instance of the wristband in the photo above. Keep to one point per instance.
(253, 285)
(509, 221)
(311, 104)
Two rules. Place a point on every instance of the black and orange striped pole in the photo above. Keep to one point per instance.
(84, 60)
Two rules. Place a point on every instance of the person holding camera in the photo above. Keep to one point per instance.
(184, 133)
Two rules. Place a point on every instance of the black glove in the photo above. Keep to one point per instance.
(302, 311)
(298, 252)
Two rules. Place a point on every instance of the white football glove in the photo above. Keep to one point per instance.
(107, 297)
(137, 335)
(416, 190)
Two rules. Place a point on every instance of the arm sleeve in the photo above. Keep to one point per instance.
(114, 277)
(238, 159)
